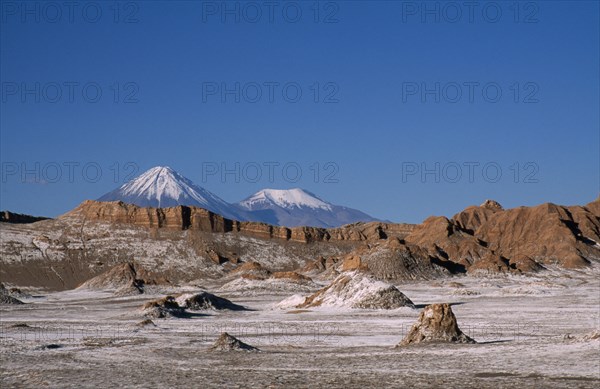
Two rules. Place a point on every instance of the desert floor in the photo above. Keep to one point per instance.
(535, 331)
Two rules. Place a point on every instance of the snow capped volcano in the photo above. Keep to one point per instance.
(290, 198)
(298, 207)
(163, 187)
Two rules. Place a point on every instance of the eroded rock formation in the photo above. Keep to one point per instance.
(227, 342)
(436, 323)
(358, 290)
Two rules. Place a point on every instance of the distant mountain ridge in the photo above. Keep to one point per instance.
(161, 187)
(295, 207)
(18, 218)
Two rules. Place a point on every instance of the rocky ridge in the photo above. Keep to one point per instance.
(187, 243)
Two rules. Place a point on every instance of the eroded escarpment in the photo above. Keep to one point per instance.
(199, 219)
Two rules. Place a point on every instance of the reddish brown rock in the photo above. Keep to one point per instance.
(547, 233)
(444, 239)
(352, 262)
(471, 218)
(436, 323)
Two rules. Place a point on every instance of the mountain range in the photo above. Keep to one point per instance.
(161, 187)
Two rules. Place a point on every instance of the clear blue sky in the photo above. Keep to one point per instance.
(371, 62)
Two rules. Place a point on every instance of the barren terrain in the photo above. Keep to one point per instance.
(532, 331)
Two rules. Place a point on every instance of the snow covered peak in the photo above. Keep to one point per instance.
(161, 170)
(162, 182)
(285, 198)
(162, 186)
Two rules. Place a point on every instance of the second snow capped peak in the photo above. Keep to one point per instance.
(285, 198)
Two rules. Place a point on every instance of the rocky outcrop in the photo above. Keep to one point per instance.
(124, 279)
(206, 301)
(358, 290)
(119, 212)
(18, 218)
(445, 240)
(397, 260)
(227, 342)
(548, 234)
(491, 239)
(7, 298)
(544, 234)
(471, 218)
(484, 239)
(436, 323)
(163, 308)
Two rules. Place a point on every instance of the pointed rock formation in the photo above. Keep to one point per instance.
(358, 290)
(436, 323)
(492, 204)
(227, 342)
